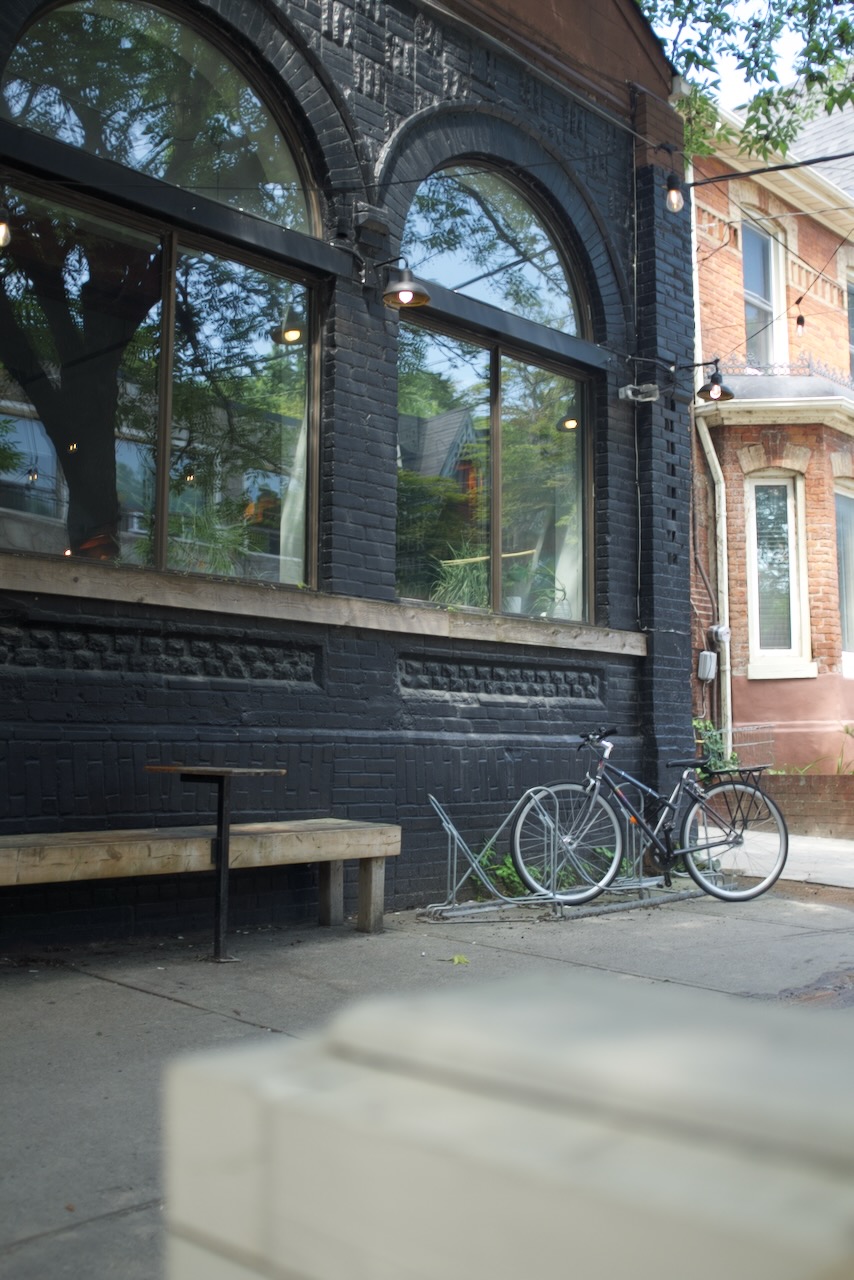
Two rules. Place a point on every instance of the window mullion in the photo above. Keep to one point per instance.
(496, 514)
(164, 404)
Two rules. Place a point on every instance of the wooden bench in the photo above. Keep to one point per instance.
(164, 851)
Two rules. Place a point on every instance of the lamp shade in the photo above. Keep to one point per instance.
(403, 290)
(714, 390)
(290, 332)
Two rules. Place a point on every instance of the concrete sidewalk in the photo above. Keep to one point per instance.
(818, 860)
(86, 1030)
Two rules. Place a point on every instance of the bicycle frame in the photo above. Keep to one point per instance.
(609, 776)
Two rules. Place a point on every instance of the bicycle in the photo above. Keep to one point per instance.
(567, 838)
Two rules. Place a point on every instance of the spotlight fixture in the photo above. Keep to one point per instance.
(675, 200)
(5, 231)
(402, 289)
(714, 390)
(289, 332)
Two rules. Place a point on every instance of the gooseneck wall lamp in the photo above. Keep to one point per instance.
(713, 390)
(401, 289)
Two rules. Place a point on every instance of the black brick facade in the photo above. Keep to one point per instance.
(368, 719)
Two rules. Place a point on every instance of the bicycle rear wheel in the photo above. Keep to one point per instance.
(565, 844)
(734, 841)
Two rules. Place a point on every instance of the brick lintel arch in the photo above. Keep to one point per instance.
(438, 137)
(765, 457)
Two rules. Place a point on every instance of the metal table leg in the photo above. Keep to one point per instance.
(221, 855)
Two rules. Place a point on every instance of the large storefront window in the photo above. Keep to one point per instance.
(153, 394)
(90, 375)
(491, 444)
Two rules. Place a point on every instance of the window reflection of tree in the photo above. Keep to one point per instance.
(473, 231)
(80, 297)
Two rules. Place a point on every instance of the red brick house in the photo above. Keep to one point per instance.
(774, 465)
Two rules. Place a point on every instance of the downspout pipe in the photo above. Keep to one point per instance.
(725, 668)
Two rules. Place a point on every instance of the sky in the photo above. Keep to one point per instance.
(735, 92)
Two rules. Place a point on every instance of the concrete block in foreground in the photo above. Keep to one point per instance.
(594, 1125)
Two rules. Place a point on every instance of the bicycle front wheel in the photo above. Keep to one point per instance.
(566, 844)
(734, 841)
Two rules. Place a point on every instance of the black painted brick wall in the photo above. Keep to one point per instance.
(367, 724)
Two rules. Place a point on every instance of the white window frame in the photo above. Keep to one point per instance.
(795, 662)
(845, 490)
(778, 343)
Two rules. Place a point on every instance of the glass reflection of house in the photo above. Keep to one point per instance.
(436, 446)
(33, 495)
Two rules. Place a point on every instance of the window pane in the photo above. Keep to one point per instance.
(239, 435)
(443, 476)
(773, 566)
(79, 343)
(756, 256)
(851, 325)
(474, 232)
(757, 321)
(845, 562)
(130, 83)
(542, 508)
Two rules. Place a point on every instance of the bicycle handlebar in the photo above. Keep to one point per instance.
(598, 739)
(595, 738)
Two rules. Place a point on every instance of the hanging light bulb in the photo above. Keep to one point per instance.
(675, 200)
(800, 325)
(5, 229)
(290, 332)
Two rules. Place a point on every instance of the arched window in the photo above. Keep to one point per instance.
(130, 83)
(492, 438)
(153, 388)
(473, 231)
